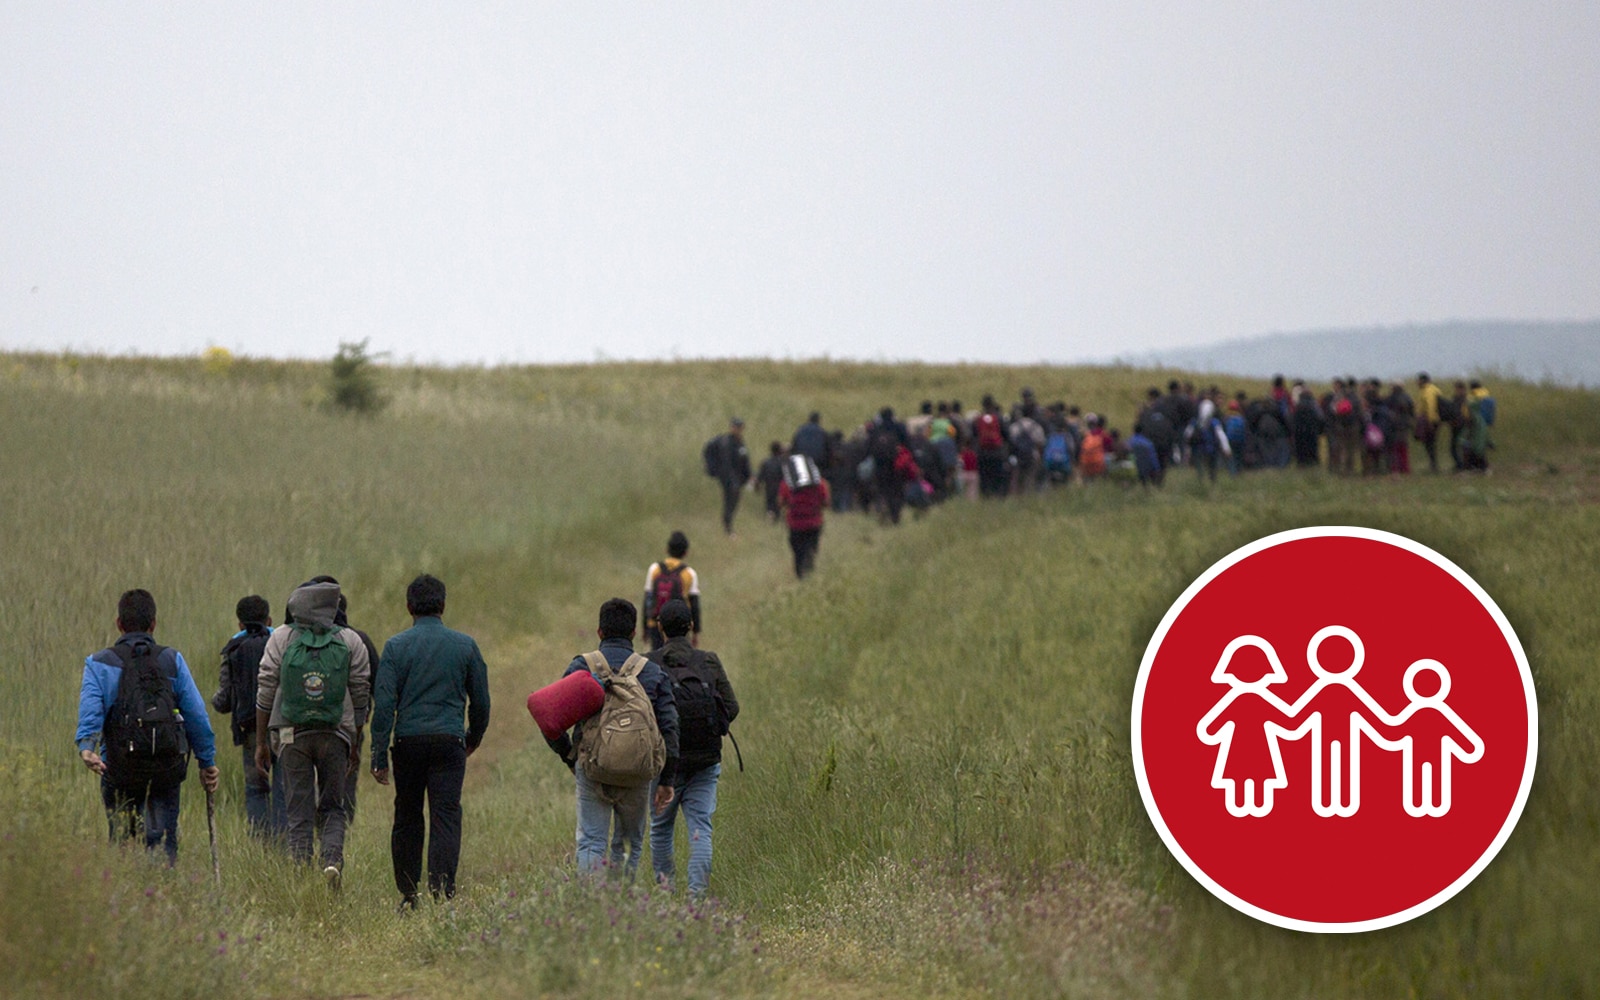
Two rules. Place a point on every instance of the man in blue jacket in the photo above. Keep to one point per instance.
(429, 677)
(142, 759)
(628, 807)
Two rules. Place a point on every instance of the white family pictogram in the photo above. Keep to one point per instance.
(1335, 712)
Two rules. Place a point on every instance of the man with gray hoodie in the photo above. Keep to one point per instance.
(315, 682)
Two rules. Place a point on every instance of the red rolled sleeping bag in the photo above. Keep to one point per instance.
(560, 706)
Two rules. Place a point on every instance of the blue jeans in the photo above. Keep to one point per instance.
(697, 798)
(599, 806)
(258, 794)
(145, 804)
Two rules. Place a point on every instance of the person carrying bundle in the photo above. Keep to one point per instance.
(804, 496)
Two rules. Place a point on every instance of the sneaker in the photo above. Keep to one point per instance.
(331, 875)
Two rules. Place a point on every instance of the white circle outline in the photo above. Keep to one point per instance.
(1368, 534)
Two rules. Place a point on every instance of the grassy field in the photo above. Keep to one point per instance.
(938, 798)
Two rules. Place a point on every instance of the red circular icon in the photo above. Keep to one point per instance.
(1334, 729)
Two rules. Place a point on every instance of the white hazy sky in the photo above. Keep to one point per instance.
(535, 182)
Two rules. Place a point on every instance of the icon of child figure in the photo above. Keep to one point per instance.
(1248, 722)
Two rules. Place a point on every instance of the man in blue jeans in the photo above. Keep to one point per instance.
(706, 704)
(602, 807)
(429, 677)
(119, 683)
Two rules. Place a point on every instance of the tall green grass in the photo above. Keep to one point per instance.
(938, 796)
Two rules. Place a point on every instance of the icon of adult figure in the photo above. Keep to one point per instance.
(1429, 734)
(1335, 711)
(313, 744)
(706, 705)
(429, 678)
(137, 791)
(728, 460)
(602, 807)
(1241, 725)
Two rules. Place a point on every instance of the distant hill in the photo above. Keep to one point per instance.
(1566, 353)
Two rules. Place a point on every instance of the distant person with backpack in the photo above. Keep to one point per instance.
(1453, 411)
(727, 460)
(614, 761)
(139, 716)
(1155, 423)
(236, 696)
(989, 439)
(1206, 438)
(706, 705)
(668, 580)
(315, 682)
(1475, 440)
(1429, 418)
(804, 497)
(884, 441)
(1307, 426)
(429, 679)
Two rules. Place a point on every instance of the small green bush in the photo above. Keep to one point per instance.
(353, 381)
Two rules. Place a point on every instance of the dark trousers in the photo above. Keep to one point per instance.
(431, 766)
(891, 494)
(147, 806)
(804, 542)
(730, 503)
(314, 768)
(994, 474)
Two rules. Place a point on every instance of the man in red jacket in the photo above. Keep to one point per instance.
(804, 496)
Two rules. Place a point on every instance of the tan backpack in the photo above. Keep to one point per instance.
(621, 744)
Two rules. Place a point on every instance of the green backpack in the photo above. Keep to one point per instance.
(315, 671)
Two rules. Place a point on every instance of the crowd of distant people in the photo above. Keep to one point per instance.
(1364, 427)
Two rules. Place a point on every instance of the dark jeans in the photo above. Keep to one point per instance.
(431, 766)
(994, 474)
(262, 808)
(804, 542)
(730, 503)
(146, 804)
(314, 768)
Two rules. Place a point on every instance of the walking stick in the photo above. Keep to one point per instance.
(211, 827)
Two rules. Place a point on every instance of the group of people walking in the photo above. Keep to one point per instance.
(887, 464)
(300, 695)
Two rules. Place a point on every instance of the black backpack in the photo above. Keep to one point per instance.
(713, 457)
(702, 716)
(144, 735)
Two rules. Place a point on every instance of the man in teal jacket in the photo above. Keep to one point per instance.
(428, 678)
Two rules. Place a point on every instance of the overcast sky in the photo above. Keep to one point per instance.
(1000, 182)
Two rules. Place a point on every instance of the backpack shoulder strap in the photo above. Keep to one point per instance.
(597, 663)
(631, 666)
